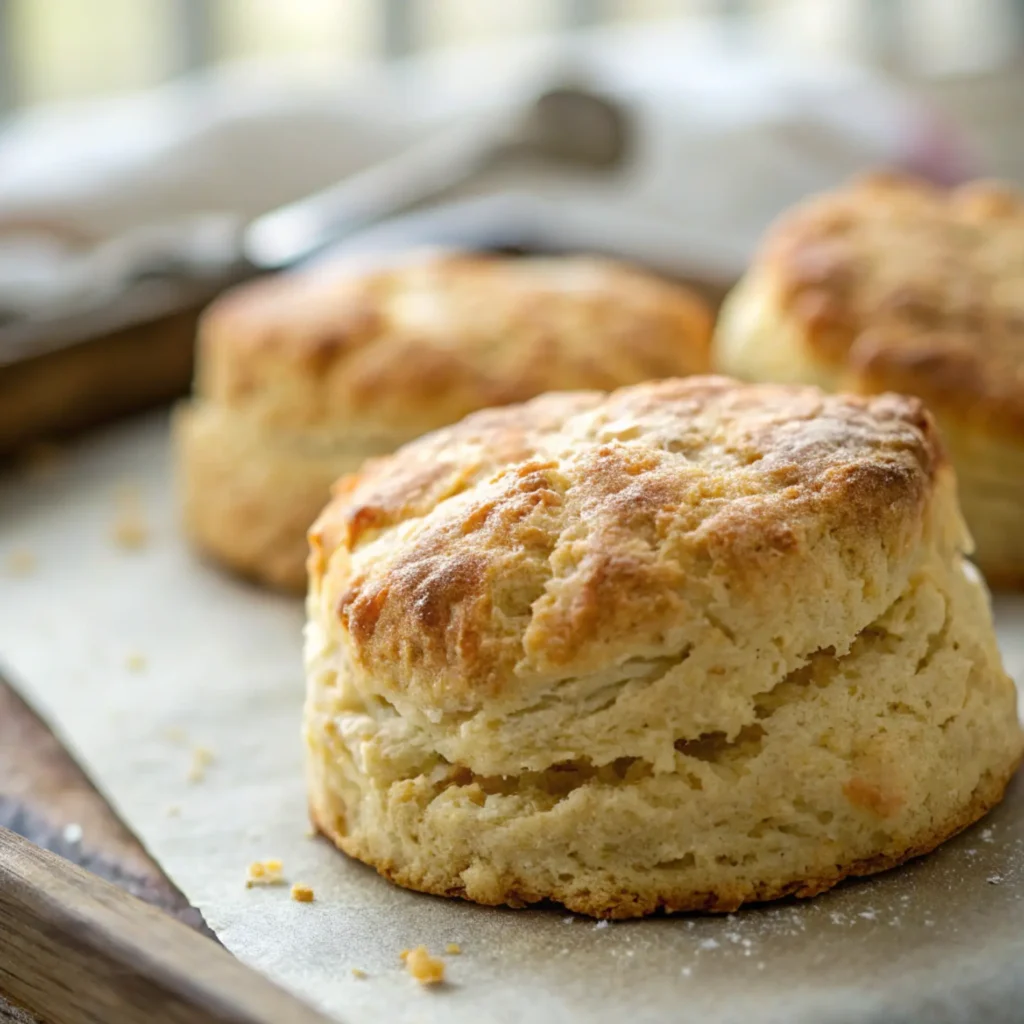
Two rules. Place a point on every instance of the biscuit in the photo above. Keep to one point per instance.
(301, 378)
(892, 284)
(680, 647)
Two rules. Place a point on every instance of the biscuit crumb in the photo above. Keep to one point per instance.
(302, 893)
(202, 758)
(310, 833)
(426, 969)
(130, 530)
(453, 948)
(21, 562)
(135, 662)
(175, 734)
(265, 872)
(358, 972)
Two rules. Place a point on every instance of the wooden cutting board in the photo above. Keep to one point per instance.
(46, 797)
(87, 951)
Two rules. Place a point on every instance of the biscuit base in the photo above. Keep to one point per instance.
(604, 900)
(248, 497)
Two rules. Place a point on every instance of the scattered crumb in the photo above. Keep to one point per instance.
(404, 955)
(130, 534)
(453, 948)
(426, 969)
(73, 833)
(868, 915)
(707, 944)
(986, 835)
(302, 893)
(601, 924)
(358, 972)
(202, 758)
(21, 562)
(265, 872)
(686, 972)
(567, 920)
(135, 662)
(130, 530)
(994, 879)
(174, 811)
(175, 734)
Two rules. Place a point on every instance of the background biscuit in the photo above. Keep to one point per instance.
(892, 284)
(302, 377)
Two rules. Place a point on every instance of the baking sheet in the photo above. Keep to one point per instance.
(143, 658)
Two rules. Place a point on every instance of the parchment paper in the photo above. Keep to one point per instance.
(941, 939)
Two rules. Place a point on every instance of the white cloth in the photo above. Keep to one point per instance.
(726, 140)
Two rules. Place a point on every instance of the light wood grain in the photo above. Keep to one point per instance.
(43, 791)
(88, 953)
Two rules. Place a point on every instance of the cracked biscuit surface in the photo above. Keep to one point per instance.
(303, 376)
(894, 284)
(681, 646)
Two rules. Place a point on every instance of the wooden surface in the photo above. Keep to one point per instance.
(46, 797)
(86, 952)
(56, 385)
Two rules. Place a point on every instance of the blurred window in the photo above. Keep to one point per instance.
(59, 49)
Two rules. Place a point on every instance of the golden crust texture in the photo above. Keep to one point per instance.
(891, 284)
(683, 646)
(302, 377)
(401, 350)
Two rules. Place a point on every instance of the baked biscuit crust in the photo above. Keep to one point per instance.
(301, 377)
(891, 284)
(683, 646)
(404, 349)
(910, 288)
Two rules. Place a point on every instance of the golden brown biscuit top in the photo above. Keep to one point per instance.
(404, 349)
(552, 539)
(912, 288)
